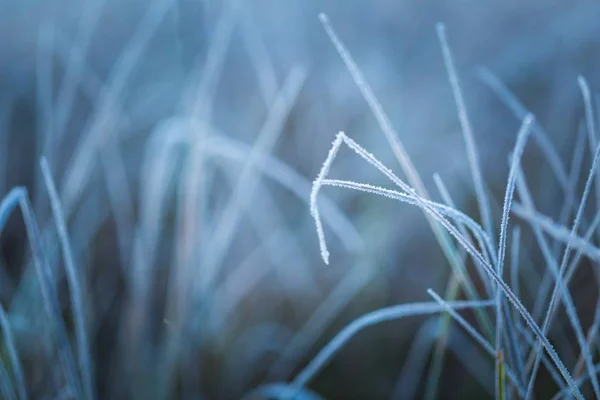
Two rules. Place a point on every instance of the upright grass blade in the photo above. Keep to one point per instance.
(474, 167)
(591, 128)
(15, 363)
(467, 130)
(74, 279)
(514, 261)
(474, 334)
(500, 377)
(510, 187)
(17, 197)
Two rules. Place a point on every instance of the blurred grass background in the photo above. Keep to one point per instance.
(177, 132)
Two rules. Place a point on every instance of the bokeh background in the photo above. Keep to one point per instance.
(184, 135)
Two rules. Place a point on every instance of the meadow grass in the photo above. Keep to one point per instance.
(189, 278)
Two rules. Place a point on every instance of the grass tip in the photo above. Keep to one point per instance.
(440, 27)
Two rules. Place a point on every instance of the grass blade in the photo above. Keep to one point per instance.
(467, 130)
(9, 341)
(74, 279)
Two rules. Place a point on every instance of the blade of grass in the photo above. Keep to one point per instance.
(15, 362)
(473, 333)
(74, 279)
(500, 377)
(467, 130)
(591, 128)
(510, 187)
(18, 197)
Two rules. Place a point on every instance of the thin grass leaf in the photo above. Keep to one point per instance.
(500, 377)
(314, 210)
(564, 392)
(508, 196)
(74, 279)
(514, 261)
(18, 197)
(450, 309)
(510, 187)
(516, 356)
(15, 362)
(529, 341)
(439, 183)
(467, 130)
(591, 128)
(512, 319)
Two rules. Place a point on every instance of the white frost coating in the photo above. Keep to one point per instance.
(314, 209)
(510, 187)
